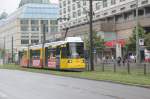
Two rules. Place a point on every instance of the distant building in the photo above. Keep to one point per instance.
(113, 19)
(23, 2)
(26, 25)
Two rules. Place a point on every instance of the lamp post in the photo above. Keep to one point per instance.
(4, 51)
(43, 43)
(91, 33)
(12, 49)
(137, 35)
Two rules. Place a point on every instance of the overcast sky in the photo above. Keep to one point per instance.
(10, 6)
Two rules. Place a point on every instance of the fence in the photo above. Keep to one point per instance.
(128, 67)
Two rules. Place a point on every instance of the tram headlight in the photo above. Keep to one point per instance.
(69, 61)
(83, 61)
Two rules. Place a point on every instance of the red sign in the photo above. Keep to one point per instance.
(114, 42)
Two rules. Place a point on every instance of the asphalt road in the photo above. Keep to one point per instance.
(26, 85)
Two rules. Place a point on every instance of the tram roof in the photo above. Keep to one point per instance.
(54, 44)
(23, 48)
(36, 46)
(57, 43)
(73, 39)
(67, 40)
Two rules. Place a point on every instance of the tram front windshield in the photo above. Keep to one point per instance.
(76, 50)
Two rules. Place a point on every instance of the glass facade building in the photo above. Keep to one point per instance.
(26, 25)
(23, 2)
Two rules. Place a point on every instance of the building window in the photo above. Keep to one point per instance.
(53, 22)
(144, 2)
(105, 13)
(74, 14)
(78, 4)
(34, 36)
(34, 22)
(68, 8)
(114, 11)
(113, 2)
(54, 29)
(64, 3)
(84, 3)
(34, 28)
(123, 8)
(23, 37)
(64, 10)
(105, 3)
(34, 41)
(122, 0)
(79, 12)
(24, 28)
(69, 1)
(24, 22)
(24, 41)
(60, 5)
(133, 5)
(44, 22)
(73, 7)
(97, 6)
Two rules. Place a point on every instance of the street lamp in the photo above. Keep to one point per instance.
(43, 43)
(91, 33)
(12, 49)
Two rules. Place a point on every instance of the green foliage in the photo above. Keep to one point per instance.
(131, 44)
(2, 53)
(98, 42)
(147, 40)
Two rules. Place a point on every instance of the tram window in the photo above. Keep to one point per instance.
(57, 51)
(76, 50)
(36, 54)
(64, 53)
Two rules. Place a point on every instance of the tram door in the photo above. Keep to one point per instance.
(51, 58)
(58, 57)
(20, 57)
(46, 56)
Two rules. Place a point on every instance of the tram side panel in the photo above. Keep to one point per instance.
(36, 58)
(23, 56)
(69, 62)
(53, 58)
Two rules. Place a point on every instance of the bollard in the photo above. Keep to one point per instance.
(103, 66)
(144, 69)
(128, 66)
(114, 67)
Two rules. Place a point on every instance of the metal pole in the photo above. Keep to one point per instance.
(145, 69)
(12, 49)
(44, 38)
(4, 52)
(28, 55)
(91, 35)
(137, 35)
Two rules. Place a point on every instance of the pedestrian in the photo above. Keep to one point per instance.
(124, 60)
(119, 61)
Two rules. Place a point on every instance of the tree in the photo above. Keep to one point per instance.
(131, 44)
(147, 41)
(98, 42)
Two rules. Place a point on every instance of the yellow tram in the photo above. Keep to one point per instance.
(63, 55)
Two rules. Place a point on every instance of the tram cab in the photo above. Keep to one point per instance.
(68, 54)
